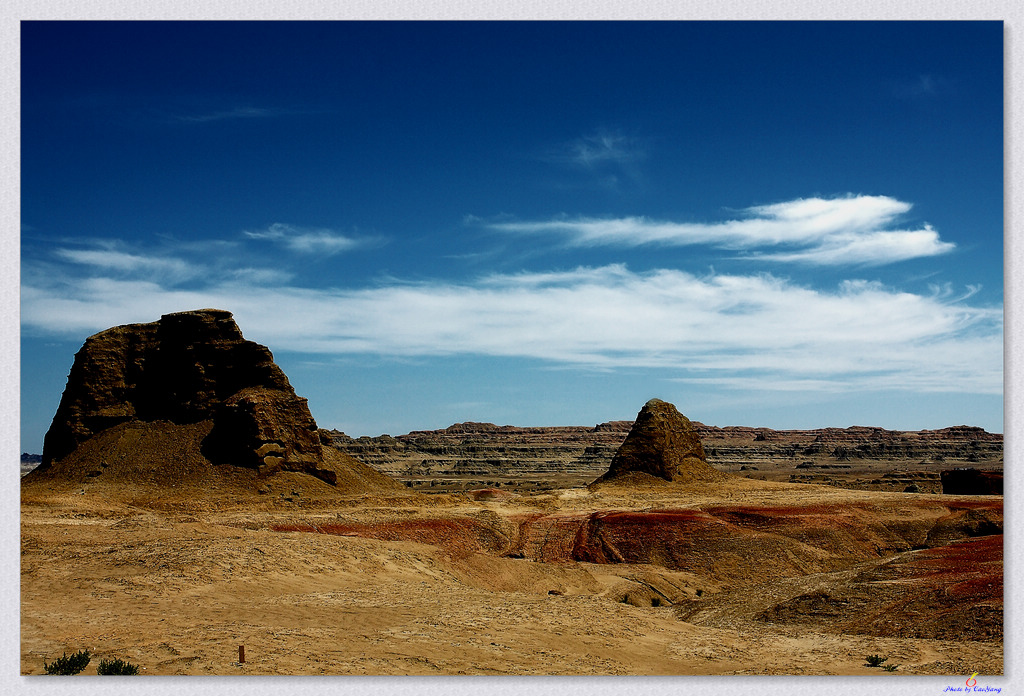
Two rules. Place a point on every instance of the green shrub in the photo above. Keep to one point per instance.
(116, 666)
(890, 668)
(875, 660)
(68, 665)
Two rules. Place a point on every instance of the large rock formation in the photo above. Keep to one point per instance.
(189, 376)
(664, 444)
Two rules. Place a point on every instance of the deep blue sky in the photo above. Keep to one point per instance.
(778, 224)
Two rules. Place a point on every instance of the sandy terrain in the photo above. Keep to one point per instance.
(176, 583)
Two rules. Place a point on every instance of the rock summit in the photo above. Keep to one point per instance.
(664, 444)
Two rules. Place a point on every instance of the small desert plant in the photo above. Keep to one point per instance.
(116, 666)
(875, 660)
(890, 668)
(65, 665)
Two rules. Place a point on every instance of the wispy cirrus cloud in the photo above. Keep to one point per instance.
(175, 262)
(603, 158)
(167, 267)
(818, 231)
(924, 86)
(602, 147)
(304, 240)
(750, 331)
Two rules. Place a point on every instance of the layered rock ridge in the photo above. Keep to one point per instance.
(190, 369)
(538, 458)
(563, 455)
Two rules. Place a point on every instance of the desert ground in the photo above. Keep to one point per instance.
(493, 582)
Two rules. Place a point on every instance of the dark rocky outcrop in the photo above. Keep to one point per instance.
(193, 378)
(970, 481)
(664, 444)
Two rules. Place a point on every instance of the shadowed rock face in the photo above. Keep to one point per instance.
(664, 444)
(186, 368)
(969, 481)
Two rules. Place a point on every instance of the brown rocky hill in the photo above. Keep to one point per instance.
(186, 401)
(664, 444)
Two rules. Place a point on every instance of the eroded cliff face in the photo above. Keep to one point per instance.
(538, 457)
(487, 450)
(189, 368)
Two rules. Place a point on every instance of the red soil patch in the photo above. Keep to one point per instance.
(776, 511)
(549, 538)
(982, 550)
(953, 591)
(967, 570)
(976, 505)
(949, 593)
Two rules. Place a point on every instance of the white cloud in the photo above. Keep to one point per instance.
(112, 260)
(259, 276)
(870, 248)
(848, 230)
(305, 240)
(743, 331)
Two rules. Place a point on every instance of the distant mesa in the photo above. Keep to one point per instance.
(664, 444)
(29, 462)
(181, 396)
